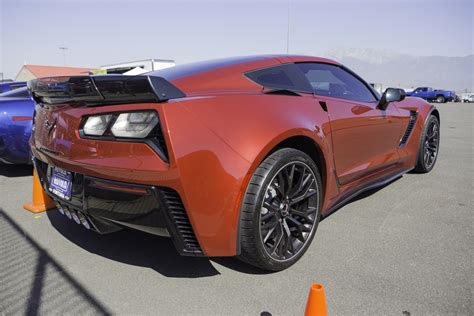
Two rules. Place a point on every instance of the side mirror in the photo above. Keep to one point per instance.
(391, 95)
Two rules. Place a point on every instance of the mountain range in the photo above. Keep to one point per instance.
(407, 71)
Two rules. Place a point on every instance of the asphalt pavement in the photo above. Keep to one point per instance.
(404, 249)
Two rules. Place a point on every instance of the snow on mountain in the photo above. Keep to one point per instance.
(406, 71)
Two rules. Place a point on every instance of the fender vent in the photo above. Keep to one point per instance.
(184, 231)
(409, 130)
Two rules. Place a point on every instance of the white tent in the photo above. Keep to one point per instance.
(135, 71)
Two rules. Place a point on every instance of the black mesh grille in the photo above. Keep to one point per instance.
(409, 130)
(181, 221)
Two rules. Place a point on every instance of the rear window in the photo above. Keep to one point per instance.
(280, 77)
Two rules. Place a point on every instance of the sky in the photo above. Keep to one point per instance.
(102, 32)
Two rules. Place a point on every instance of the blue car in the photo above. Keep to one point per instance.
(431, 95)
(16, 114)
(8, 86)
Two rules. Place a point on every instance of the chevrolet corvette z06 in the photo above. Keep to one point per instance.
(236, 157)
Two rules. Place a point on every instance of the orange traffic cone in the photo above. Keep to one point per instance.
(41, 201)
(316, 305)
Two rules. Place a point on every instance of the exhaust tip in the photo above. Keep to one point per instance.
(60, 209)
(75, 217)
(68, 213)
(84, 221)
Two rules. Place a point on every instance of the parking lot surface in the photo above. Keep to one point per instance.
(406, 248)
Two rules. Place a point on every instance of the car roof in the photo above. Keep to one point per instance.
(252, 62)
(225, 75)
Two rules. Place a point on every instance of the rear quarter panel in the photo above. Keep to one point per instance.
(219, 141)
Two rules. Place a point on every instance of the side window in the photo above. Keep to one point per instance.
(285, 76)
(333, 81)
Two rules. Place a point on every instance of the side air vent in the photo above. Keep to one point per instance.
(409, 130)
(186, 240)
(159, 140)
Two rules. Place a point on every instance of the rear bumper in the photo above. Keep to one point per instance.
(112, 205)
(9, 156)
(14, 147)
(207, 173)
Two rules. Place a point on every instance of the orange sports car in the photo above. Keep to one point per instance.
(234, 157)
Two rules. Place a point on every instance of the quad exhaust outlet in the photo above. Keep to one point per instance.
(78, 217)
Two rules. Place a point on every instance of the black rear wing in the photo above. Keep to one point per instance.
(102, 90)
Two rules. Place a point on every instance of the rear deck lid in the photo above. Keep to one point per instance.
(102, 90)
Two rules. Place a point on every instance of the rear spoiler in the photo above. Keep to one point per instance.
(102, 90)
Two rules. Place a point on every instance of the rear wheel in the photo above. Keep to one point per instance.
(280, 210)
(428, 152)
(440, 99)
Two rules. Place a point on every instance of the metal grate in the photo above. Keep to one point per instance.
(181, 221)
(409, 130)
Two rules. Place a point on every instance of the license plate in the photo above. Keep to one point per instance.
(60, 183)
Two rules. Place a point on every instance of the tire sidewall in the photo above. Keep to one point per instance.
(421, 166)
(287, 157)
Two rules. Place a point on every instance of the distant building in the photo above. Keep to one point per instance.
(139, 66)
(28, 72)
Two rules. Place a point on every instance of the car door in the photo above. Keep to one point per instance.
(365, 138)
(416, 92)
(424, 93)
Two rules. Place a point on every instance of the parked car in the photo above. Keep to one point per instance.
(430, 94)
(467, 97)
(16, 114)
(8, 86)
(235, 157)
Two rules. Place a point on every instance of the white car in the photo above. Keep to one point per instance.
(467, 97)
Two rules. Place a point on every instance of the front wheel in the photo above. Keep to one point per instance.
(280, 210)
(441, 99)
(428, 152)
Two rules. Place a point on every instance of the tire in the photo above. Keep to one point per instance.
(277, 220)
(440, 99)
(429, 146)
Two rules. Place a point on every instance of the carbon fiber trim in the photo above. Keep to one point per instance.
(111, 205)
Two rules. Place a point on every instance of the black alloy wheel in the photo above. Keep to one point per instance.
(429, 146)
(289, 211)
(280, 212)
